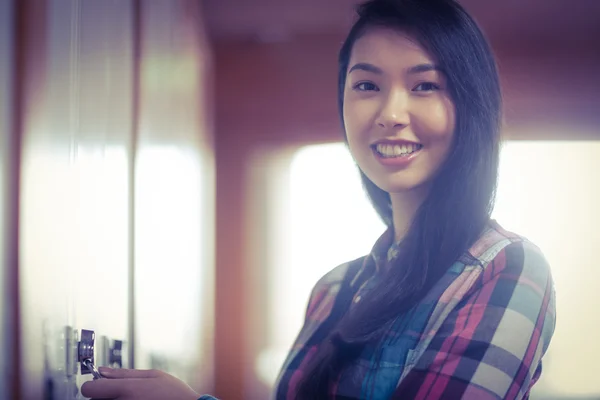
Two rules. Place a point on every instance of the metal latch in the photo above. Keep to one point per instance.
(85, 353)
(112, 356)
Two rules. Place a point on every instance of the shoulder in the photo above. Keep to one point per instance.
(515, 276)
(492, 242)
(501, 252)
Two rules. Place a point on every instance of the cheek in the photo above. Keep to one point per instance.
(352, 124)
(357, 136)
(358, 119)
(436, 122)
(355, 139)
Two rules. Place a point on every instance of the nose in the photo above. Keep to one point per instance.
(394, 110)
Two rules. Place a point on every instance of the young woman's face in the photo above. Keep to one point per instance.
(398, 115)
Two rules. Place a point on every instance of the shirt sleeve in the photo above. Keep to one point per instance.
(491, 345)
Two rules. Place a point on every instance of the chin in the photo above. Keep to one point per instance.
(402, 184)
(401, 189)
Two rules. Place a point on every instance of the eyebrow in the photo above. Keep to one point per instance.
(417, 69)
(366, 67)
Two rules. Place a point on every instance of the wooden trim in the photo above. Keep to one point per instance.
(13, 194)
(29, 49)
(230, 350)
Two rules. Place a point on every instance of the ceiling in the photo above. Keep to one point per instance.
(279, 20)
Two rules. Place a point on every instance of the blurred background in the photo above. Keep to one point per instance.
(172, 178)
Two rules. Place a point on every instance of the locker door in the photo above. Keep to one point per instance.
(75, 193)
(174, 192)
(7, 199)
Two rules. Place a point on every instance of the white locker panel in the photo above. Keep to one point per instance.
(173, 196)
(74, 210)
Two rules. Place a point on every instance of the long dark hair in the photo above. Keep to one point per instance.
(461, 198)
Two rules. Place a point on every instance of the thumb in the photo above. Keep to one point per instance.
(122, 373)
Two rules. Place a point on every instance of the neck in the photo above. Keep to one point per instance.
(404, 208)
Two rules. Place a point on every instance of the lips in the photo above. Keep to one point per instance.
(389, 149)
(396, 153)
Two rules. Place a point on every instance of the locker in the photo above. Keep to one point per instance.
(116, 162)
(174, 190)
(74, 207)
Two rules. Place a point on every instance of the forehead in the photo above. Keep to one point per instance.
(388, 48)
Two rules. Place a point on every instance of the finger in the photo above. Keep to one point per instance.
(122, 373)
(104, 388)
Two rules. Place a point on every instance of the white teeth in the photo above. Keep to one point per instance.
(390, 150)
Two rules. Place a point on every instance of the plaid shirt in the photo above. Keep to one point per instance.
(479, 333)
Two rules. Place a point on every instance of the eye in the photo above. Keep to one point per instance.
(426, 87)
(366, 87)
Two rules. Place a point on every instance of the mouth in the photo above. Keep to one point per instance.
(396, 150)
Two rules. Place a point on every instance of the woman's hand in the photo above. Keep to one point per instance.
(131, 384)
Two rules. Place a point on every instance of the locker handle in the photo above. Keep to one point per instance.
(85, 353)
(92, 368)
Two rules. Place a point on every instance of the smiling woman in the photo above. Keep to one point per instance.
(433, 310)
